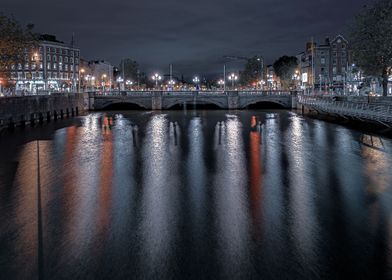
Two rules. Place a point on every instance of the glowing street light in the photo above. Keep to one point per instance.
(196, 80)
(233, 77)
(128, 83)
(156, 77)
(221, 83)
(171, 83)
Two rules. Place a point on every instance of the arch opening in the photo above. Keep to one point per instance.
(266, 105)
(197, 106)
(122, 106)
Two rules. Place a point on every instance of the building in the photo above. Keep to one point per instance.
(326, 66)
(52, 66)
(101, 75)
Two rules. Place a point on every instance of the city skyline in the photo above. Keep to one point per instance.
(193, 39)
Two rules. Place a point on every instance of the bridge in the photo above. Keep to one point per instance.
(164, 100)
(374, 109)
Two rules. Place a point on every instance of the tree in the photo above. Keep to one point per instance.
(15, 43)
(371, 41)
(285, 68)
(252, 72)
(130, 69)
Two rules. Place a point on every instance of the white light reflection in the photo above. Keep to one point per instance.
(304, 222)
(159, 198)
(196, 171)
(230, 195)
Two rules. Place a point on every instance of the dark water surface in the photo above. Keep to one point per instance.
(195, 195)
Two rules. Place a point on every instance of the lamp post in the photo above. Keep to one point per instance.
(120, 81)
(156, 77)
(129, 83)
(103, 82)
(233, 77)
(221, 83)
(171, 83)
(261, 60)
(81, 71)
(196, 80)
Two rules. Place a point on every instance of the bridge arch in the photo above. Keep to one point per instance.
(123, 105)
(213, 104)
(266, 104)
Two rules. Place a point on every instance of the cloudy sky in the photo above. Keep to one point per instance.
(192, 35)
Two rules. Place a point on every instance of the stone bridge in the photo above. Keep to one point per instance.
(163, 100)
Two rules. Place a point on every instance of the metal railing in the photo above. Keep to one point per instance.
(380, 112)
(204, 93)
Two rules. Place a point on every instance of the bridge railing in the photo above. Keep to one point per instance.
(361, 110)
(212, 93)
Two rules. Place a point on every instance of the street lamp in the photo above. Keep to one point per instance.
(261, 60)
(233, 77)
(81, 71)
(129, 83)
(119, 81)
(171, 83)
(196, 80)
(156, 77)
(221, 83)
(103, 81)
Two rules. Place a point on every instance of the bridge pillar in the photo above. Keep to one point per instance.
(233, 100)
(156, 100)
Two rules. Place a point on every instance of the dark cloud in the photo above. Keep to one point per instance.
(193, 35)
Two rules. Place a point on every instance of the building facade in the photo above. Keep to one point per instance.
(52, 66)
(327, 66)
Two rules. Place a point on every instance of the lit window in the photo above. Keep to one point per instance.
(66, 67)
(48, 66)
(54, 66)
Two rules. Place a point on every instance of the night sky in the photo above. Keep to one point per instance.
(193, 35)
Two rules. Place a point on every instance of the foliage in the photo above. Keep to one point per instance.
(130, 69)
(15, 42)
(371, 40)
(285, 68)
(252, 72)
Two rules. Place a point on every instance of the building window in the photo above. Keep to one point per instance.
(40, 65)
(33, 65)
(65, 75)
(54, 58)
(19, 66)
(60, 58)
(54, 66)
(66, 67)
(48, 57)
(60, 66)
(323, 60)
(40, 75)
(72, 68)
(26, 66)
(48, 66)
(334, 70)
(71, 60)
(20, 75)
(66, 59)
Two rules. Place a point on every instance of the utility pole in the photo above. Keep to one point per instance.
(312, 42)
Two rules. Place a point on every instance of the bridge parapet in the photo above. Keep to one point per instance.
(166, 99)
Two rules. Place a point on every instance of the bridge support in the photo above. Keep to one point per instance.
(156, 101)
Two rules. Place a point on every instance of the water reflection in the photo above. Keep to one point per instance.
(231, 201)
(197, 195)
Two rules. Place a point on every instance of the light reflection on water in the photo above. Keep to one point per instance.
(197, 195)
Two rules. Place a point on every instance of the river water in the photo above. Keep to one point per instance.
(195, 195)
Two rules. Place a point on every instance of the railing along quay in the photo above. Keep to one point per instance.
(379, 112)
